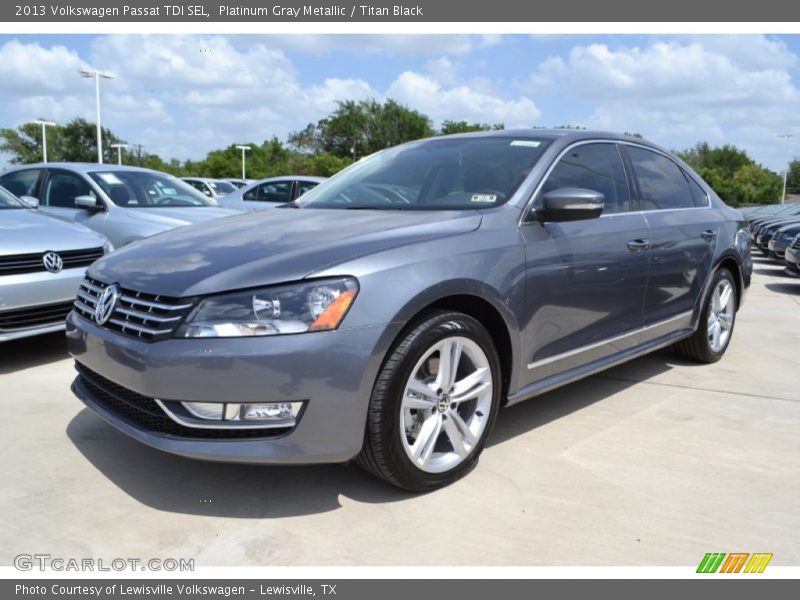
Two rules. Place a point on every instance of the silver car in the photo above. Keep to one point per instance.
(42, 262)
(123, 203)
(269, 193)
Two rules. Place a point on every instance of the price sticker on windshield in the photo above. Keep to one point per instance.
(489, 198)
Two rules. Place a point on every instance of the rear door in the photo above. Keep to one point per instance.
(585, 279)
(684, 231)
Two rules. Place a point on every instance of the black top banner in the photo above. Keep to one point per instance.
(475, 11)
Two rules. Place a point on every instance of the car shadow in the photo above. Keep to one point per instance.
(25, 353)
(776, 271)
(784, 288)
(179, 485)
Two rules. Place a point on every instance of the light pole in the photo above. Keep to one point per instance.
(119, 148)
(97, 75)
(788, 137)
(45, 125)
(243, 149)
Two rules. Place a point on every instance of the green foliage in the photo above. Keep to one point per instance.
(793, 177)
(356, 129)
(736, 177)
(74, 142)
(449, 127)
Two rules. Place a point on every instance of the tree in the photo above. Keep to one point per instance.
(793, 177)
(74, 142)
(448, 127)
(356, 129)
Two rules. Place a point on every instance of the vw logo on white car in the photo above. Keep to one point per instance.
(52, 262)
(105, 304)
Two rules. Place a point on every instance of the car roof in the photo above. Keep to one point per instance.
(301, 177)
(82, 167)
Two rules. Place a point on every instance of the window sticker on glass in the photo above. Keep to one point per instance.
(110, 178)
(484, 198)
(526, 143)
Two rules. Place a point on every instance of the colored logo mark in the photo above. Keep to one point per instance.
(735, 562)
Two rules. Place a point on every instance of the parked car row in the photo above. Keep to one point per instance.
(57, 218)
(775, 231)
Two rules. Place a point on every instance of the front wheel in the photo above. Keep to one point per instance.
(434, 404)
(715, 328)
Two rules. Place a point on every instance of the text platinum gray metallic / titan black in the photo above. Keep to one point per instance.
(389, 313)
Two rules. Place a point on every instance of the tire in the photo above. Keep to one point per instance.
(700, 347)
(395, 432)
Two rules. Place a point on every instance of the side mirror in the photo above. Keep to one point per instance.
(571, 204)
(30, 201)
(87, 202)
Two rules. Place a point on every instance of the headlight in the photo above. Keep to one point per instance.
(742, 237)
(310, 306)
(108, 247)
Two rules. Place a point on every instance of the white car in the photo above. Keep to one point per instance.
(213, 188)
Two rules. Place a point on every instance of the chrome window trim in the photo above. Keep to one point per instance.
(528, 208)
(557, 357)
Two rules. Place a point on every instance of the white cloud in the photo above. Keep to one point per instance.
(461, 102)
(679, 92)
(32, 69)
(390, 45)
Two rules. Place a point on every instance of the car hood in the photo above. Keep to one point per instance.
(24, 231)
(178, 215)
(269, 247)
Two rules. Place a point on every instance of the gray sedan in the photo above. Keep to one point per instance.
(42, 263)
(123, 203)
(389, 313)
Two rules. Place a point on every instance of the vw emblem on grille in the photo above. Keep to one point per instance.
(52, 262)
(106, 303)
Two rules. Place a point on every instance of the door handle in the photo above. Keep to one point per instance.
(708, 235)
(638, 246)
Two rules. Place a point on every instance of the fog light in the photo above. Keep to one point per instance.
(204, 410)
(272, 411)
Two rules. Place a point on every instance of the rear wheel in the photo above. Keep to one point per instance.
(434, 404)
(715, 328)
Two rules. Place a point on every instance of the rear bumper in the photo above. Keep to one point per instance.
(332, 372)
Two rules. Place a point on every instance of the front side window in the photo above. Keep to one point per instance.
(597, 167)
(63, 187)
(455, 173)
(146, 189)
(22, 183)
(8, 200)
(662, 185)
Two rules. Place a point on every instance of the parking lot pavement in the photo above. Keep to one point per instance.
(652, 463)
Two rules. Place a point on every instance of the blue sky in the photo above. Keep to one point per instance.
(182, 96)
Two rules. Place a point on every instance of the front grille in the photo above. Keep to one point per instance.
(144, 413)
(33, 263)
(149, 317)
(34, 316)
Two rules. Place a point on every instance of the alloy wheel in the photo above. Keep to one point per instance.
(720, 316)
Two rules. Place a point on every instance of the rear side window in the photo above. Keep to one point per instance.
(596, 167)
(699, 196)
(275, 191)
(304, 186)
(662, 185)
(22, 183)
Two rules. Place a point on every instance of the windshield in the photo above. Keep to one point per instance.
(145, 189)
(222, 187)
(435, 174)
(8, 200)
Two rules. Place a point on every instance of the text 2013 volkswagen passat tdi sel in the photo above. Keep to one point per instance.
(390, 312)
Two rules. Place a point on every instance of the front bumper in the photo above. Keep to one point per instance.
(792, 260)
(36, 303)
(777, 247)
(332, 372)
